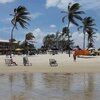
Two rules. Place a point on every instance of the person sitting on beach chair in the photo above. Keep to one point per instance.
(26, 61)
(53, 62)
(9, 62)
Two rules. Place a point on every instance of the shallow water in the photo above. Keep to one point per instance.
(50, 86)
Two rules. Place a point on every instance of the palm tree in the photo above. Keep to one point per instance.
(72, 14)
(28, 40)
(64, 35)
(57, 39)
(20, 16)
(67, 36)
(91, 38)
(88, 24)
(29, 36)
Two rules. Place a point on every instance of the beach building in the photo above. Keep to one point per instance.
(5, 46)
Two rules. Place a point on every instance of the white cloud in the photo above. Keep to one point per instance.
(97, 36)
(90, 4)
(6, 1)
(35, 15)
(62, 4)
(51, 3)
(78, 39)
(71, 25)
(97, 40)
(3, 40)
(53, 26)
(39, 35)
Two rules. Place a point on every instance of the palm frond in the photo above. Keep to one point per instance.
(15, 10)
(91, 28)
(63, 18)
(92, 24)
(73, 21)
(69, 6)
(25, 18)
(13, 21)
(24, 13)
(11, 14)
(23, 21)
(75, 7)
(63, 11)
(78, 17)
(79, 28)
(20, 16)
(29, 36)
(21, 9)
(22, 25)
(79, 12)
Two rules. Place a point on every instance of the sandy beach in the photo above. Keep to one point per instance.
(40, 63)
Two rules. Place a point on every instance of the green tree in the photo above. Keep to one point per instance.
(88, 27)
(67, 37)
(57, 39)
(48, 41)
(91, 38)
(72, 14)
(20, 16)
(29, 41)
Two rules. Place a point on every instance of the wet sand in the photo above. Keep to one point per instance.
(40, 63)
(50, 86)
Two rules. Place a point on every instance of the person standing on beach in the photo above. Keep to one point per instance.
(74, 55)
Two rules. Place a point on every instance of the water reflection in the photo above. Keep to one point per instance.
(50, 86)
(28, 80)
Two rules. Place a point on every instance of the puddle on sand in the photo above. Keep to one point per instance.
(50, 86)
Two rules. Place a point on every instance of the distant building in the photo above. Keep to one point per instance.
(5, 46)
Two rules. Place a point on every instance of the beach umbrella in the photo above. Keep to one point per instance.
(18, 49)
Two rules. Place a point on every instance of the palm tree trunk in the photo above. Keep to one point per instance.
(88, 42)
(68, 40)
(84, 39)
(11, 42)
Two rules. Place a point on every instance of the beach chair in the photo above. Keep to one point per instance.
(9, 62)
(53, 62)
(26, 61)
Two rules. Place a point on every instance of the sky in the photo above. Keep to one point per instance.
(46, 18)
